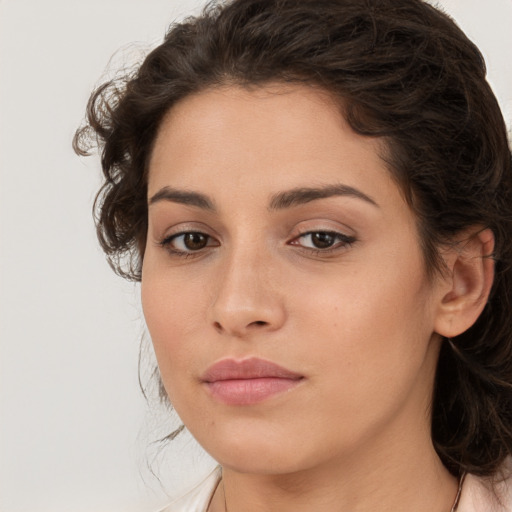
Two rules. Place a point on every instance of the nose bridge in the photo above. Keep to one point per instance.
(246, 296)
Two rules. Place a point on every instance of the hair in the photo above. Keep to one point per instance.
(401, 70)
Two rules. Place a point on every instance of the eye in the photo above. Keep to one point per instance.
(323, 240)
(188, 242)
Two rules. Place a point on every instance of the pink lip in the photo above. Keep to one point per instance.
(248, 381)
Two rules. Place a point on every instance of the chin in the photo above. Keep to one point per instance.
(251, 462)
(263, 451)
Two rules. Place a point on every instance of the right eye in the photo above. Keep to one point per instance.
(188, 242)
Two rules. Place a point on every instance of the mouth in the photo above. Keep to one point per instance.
(248, 381)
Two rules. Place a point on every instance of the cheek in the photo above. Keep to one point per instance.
(371, 325)
(369, 355)
(173, 314)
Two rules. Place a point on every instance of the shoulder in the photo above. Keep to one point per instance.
(486, 495)
(198, 498)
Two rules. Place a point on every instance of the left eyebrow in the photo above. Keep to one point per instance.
(303, 195)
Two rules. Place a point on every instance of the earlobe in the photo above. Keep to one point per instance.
(467, 283)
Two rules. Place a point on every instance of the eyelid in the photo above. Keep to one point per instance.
(174, 236)
(345, 236)
(322, 225)
(182, 229)
(167, 245)
(346, 240)
(185, 227)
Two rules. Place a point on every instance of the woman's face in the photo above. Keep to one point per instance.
(283, 283)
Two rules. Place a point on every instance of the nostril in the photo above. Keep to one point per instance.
(258, 322)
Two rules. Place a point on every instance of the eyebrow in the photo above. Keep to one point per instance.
(280, 201)
(303, 195)
(183, 197)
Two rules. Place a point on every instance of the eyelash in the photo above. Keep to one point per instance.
(166, 243)
(344, 241)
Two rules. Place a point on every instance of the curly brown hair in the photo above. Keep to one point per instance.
(404, 71)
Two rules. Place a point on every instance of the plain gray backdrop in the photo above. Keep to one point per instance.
(74, 429)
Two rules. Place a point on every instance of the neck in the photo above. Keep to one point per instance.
(378, 480)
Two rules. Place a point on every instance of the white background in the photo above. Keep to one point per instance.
(74, 429)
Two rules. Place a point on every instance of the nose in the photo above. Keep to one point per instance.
(247, 298)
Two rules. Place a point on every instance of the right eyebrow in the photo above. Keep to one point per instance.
(182, 197)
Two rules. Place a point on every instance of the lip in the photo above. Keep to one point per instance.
(248, 381)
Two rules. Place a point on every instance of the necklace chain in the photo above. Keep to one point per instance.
(453, 509)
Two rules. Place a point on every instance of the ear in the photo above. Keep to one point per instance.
(465, 287)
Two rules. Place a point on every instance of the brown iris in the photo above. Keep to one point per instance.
(195, 241)
(323, 240)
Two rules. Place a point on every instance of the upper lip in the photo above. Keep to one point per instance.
(253, 368)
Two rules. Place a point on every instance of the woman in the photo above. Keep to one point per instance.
(317, 199)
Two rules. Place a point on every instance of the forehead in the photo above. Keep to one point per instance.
(275, 137)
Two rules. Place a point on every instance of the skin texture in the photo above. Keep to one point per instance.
(358, 321)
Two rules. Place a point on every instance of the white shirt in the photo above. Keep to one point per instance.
(198, 499)
(476, 496)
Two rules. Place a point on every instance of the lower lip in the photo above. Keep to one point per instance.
(249, 391)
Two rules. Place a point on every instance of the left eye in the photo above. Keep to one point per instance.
(322, 240)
